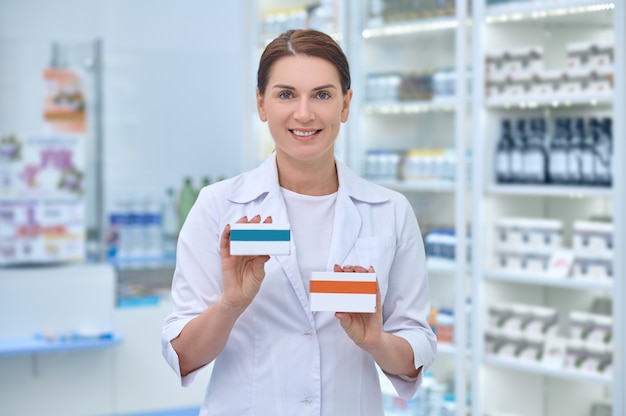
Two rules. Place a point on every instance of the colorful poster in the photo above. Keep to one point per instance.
(64, 101)
(42, 208)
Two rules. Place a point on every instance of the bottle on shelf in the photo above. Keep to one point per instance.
(517, 152)
(604, 152)
(558, 154)
(170, 223)
(574, 154)
(186, 198)
(206, 181)
(151, 228)
(503, 153)
(587, 154)
(535, 156)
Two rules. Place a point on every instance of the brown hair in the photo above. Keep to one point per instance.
(307, 42)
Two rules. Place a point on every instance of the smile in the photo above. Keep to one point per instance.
(304, 133)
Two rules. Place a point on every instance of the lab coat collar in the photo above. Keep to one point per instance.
(264, 179)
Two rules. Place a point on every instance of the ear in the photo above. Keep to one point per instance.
(345, 109)
(260, 105)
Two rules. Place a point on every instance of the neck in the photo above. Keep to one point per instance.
(315, 178)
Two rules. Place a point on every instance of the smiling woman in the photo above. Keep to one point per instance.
(254, 316)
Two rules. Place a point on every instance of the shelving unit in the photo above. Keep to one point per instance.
(504, 384)
(409, 46)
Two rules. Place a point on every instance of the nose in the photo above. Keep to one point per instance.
(304, 111)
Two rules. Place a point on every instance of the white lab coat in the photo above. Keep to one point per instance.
(280, 358)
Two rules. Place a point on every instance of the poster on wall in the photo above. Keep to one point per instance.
(64, 108)
(42, 194)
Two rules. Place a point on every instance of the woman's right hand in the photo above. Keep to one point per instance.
(242, 275)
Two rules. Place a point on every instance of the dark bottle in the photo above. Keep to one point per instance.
(587, 154)
(517, 152)
(503, 153)
(535, 156)
(604, 152)
(558, 171)
(574, 158)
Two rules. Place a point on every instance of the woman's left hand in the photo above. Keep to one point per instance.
(365, 329)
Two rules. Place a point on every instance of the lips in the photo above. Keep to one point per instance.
(304, 134)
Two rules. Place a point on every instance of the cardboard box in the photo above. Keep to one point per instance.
(343, 292)
(260, 239)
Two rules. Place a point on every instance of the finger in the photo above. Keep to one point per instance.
(256, 219)
(258, 266)
(359, 269)
(348, 269)
(337, 268)
(371, 269)
(268, 220)
(243, 219)
(225, 241)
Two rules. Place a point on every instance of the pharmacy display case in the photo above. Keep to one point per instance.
(410, 68)
(548, 201)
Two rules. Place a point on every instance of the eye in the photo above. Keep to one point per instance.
(323, 95)
(285, 95)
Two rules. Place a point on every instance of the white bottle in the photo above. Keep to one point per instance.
(135, 244)
(122, 214)
(151, 229)
(169, 223)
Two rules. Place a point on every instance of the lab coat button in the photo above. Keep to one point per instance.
(308, 333)
(307, 400)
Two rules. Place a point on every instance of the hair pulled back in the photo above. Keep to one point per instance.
(306, 42)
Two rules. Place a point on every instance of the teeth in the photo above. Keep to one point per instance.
(304, 133)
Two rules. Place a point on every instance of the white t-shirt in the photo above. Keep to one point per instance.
(311, 221)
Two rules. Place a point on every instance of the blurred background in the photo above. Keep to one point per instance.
(501, 121)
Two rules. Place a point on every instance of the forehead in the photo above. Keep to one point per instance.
(302, 71)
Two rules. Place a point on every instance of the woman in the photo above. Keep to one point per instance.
(250, 315)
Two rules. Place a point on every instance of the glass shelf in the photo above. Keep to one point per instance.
(549, 190)
(554, 101)
(438, 104)
(540, 369)
(410, 27)
(537, 280)
(425, 186)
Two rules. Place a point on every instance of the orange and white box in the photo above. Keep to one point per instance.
(343, 292)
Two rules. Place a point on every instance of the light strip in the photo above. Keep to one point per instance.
(405, 29)
(542, 14)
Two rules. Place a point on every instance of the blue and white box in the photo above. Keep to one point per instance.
(258, 239)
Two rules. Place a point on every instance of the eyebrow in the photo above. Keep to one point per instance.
(289, 87)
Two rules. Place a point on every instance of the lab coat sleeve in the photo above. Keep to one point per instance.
(197, 280)
(407, 302)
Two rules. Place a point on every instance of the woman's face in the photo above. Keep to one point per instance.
(304, 107)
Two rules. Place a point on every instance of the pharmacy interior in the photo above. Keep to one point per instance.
(501, 121)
